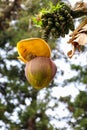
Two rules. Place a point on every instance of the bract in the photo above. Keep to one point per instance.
(31, 48)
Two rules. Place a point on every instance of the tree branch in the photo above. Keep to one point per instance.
(78, 13)
(6, 13)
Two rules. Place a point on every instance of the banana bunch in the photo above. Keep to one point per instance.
(57, 22)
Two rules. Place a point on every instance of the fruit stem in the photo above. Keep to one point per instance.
(78, 13)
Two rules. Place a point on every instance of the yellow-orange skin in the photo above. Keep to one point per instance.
(40, 71)
(31, 48)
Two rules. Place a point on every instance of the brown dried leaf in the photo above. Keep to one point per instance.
(78, 38)
(81, 39)
(83, 29)
(71, 52)
(73, 38)
(80, 6)
(77, 30)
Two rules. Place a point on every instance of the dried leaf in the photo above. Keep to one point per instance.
(78, 38)
(80, 6)
(71, 52)
(81, 39)
(84, 29)
(76, 31)
(73, 38)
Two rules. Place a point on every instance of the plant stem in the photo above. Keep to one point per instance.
(78, 13)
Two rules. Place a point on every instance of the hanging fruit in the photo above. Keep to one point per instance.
(39, 69)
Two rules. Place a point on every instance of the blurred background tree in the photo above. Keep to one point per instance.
(21, 106)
